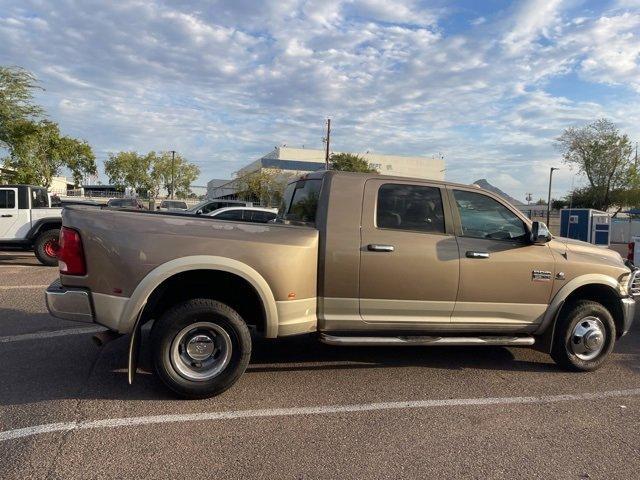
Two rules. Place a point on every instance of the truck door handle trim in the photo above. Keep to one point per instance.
(374, 247)
(471, 254)
(7, 215)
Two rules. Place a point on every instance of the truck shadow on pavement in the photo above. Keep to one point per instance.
(303, 354)
(20, 259)
(73, 368)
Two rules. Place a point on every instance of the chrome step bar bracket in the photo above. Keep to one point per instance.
(426, 341)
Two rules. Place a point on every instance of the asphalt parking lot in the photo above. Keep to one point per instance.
(304, 410)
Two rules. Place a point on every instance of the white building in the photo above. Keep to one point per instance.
(290, 162)
(293, 161)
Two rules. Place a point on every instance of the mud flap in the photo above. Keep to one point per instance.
(544, 341)
(134, 347)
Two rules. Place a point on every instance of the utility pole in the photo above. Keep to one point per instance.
(549, 198)
(636, 162)
(326, 155)
(173, 175)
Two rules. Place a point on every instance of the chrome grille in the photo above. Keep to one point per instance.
(634, 283)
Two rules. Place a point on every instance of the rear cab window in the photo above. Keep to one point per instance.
(300, 201)
(417, 208)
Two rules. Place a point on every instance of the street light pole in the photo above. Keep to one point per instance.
(549, 198)
(326, 155)
(173, 161)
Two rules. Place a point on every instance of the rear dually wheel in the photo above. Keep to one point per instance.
(200, 348)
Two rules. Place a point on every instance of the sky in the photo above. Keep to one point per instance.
(487, 84)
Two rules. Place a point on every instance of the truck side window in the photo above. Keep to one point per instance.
(410, 207)
(7, 199)
(303, 197)
(483, 217)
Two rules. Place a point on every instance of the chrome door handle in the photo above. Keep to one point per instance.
(374, 247)
(7, 215)
(477, 254)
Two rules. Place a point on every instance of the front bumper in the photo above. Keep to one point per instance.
(628, 313)
(69, 303)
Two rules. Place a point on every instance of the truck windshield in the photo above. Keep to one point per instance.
(300, 201)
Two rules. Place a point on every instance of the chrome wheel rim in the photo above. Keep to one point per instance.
(201, 351)
(588, 338)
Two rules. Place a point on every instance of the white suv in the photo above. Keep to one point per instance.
(27, 220)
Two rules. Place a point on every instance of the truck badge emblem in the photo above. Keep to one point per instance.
(540, 276)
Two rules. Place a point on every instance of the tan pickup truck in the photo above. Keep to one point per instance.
(357, 259)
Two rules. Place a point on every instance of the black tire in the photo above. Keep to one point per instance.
(42, 245)
(562, 350)
(197, 312)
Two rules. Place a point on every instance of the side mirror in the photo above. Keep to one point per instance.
(539, 233)
(199, 212)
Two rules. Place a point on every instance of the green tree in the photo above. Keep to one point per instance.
(16, 103)
(264, 186)
(37, 151)
(151, 172)
(604, 155)
(166, 169)
(41, 152)
(348, 162)
(130, 169)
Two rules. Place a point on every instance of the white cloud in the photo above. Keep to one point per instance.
(533, 19)
(614, 50)
(225, 81)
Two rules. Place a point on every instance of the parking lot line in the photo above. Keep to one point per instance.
(54, 333)
(21, 287)
(301, 411)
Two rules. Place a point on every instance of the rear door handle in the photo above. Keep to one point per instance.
(471, 254)
(7, 215)
(375, 247)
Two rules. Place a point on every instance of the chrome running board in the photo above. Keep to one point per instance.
(421, 340)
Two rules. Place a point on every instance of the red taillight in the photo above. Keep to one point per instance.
(630, 247)
(71, 254)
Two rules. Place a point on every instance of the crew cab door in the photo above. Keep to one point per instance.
(408, 254)
(9, 213)
(504, 279)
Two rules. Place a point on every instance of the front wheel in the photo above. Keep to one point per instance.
(46, 247)
(200, 348)
(584, 337)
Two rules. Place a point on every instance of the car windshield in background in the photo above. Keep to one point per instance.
(300, 201)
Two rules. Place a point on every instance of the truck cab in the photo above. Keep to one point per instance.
(28, 221)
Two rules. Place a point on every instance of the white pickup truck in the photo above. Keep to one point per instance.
(28, 221)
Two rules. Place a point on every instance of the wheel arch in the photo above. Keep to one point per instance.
(596, 287)
(43, 224)
(135, 306)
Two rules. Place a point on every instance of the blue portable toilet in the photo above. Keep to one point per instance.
(586, 224)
